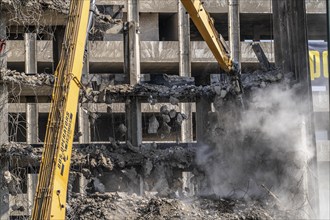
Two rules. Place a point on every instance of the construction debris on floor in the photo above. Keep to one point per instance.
(124, 206)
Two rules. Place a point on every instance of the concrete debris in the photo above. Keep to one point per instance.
(176, 93)
(179, 118)
(12, 76)
(174, 101)
(153, 125)
(171, 80)
(61, 6)
(172, 113)
(260, 78)
(121, 131)
(94, 160)
(260, 54)
(116, 205)
(11, 182)
(95, 185)
(108, 20)
(166, 118)
(152, 100)
(164, 129)
(152, 93)
(164, 109)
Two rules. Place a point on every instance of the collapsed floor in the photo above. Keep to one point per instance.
(242, 170)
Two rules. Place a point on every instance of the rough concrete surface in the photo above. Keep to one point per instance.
(267, 168)
(126, 206)
(14, 77)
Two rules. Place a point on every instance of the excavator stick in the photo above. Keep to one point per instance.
(205, 25)
(51, 192)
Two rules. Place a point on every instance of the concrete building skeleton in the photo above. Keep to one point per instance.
(165, 43)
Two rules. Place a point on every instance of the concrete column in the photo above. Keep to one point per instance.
(83, 120)
(3, 113)
(185, 69)
(291, 55)
(133, 108)
(84, 125)
(184, 40)
(30, 43)
(203, 107)
(301, 60)
(134, 41)
(32, 180)
(281, 36)
(31, 122)
(134, 121)
(3, 89)
(276, 32)
(4, 194)
(234, 30)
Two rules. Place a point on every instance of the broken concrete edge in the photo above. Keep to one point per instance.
(152, 93)
(36, 80)
(104, 157)
(41, 5)
(29, 11)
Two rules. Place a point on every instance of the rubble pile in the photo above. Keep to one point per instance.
(125, 206)
(61, 6)
(12, 76)
(260, 79)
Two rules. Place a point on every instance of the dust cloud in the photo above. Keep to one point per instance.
(261, 152)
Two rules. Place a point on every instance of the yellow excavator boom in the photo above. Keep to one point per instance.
(50, 197)
(205, 26)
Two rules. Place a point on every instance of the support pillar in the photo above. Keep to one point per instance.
(30, 43)
(3, 88)
(185, 69)
(203, 107)
(280, 30)
(301, 68)
(134, 121)
(291, 55)
(234, 30)
(133, 108)
(83, 120)
(84, 125)
(31, 122)
(325, 211)
(4, 194)
(3, 114)
(32, 180)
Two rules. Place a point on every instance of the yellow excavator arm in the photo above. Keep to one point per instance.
(205, 26)
(50, 197)
(51, 193)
